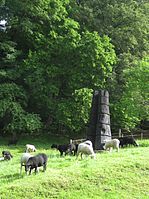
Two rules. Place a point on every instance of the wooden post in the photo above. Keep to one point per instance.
(141, 136)
(120, 133)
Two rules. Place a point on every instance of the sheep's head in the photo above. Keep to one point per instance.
(28, 164)
(93, 156)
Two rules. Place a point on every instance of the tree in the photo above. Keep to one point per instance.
(133, 106)
(54, 65)
(127, 24)
(66, 70)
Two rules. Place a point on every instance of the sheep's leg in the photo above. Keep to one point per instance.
(36, 170)
(30, 171)
(77, 155)
(44, 167)
(21, 169)
(25, 169)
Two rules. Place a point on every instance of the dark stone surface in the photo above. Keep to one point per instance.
(99, 125)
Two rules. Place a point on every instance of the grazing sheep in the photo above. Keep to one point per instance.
(24, 159)
(112, 144)
(6, 155)
(36, 161)
(77, 141)
(125, 141)
(101, 146)
(61, 148)
(72, 149)
(86, 148)
(30, 148)
(88, 142)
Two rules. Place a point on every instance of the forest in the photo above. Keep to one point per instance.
(55, 53)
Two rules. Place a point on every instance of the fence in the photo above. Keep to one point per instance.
(142, 134)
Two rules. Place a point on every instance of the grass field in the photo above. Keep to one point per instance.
(123, 175)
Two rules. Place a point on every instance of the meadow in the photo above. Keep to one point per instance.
(123, 175)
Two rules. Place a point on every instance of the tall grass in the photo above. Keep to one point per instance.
(123, 175)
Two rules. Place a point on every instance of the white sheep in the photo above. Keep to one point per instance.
(24, 159)
(86, 148)
(112, 144)
(30, 148)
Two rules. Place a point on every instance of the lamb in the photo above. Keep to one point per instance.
(61, 148)
(86, 148)
(36, 161)
(30, 148)
(73, 146)
(112, 144)
(6, 155)
(24, 159)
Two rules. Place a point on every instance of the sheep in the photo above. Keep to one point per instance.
(30, 148)
(72, 149)
(61, 148)
(36, 161)
(88, 142)
(73, 146)
(24, 159)
(112, 144)
(6, 155)
(124, 141)
(86, 148)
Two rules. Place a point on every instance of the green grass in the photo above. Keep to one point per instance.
(123, 175)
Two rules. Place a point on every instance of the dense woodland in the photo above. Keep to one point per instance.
(55, 53)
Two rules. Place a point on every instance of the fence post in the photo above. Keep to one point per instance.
(119, 133)
(141, 136)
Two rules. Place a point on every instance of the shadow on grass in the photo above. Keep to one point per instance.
(11, 177)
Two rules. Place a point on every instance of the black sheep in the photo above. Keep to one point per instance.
(36, 161)
(61, 148)
(7, 155)
(125, 141)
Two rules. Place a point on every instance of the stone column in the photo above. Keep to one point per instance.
(99, 126)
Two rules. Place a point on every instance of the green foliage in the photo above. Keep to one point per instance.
(74, 113)
(133, 106)
(127, 25)
(55, 53)
(54, 79)
(125, 22)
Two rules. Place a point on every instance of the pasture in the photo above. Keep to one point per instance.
(123, 175)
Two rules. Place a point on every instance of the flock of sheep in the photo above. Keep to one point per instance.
(31, 162)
